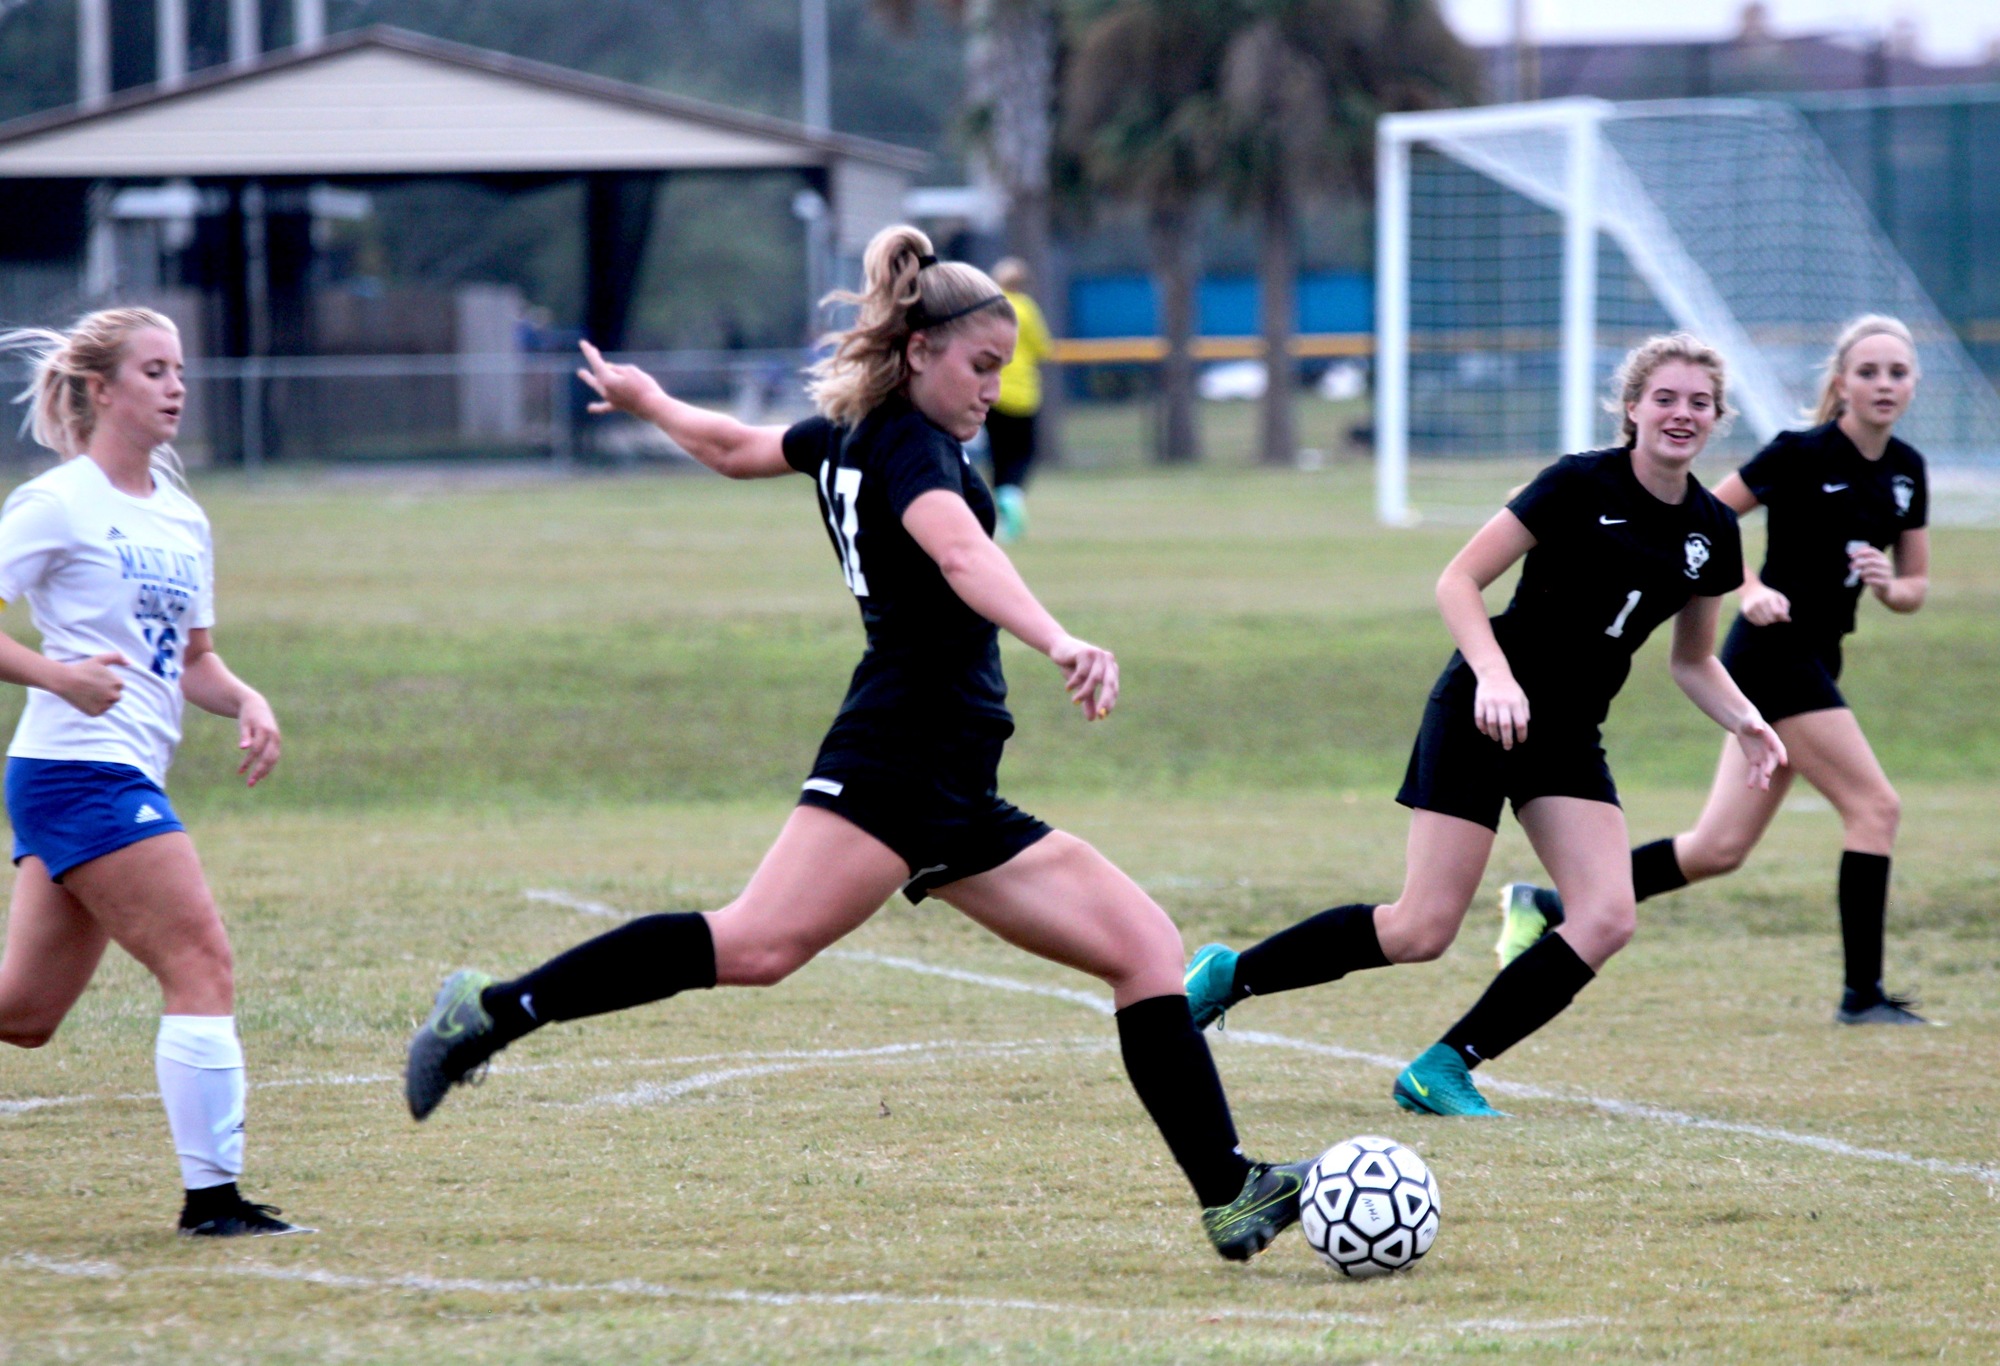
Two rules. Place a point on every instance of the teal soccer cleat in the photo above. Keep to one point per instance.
(1211, 983)
(1439, 1083)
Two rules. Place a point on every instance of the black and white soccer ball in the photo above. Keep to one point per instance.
(1369, 1207)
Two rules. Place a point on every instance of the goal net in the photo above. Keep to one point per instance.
(1524, 248)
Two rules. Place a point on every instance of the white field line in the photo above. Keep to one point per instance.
(658, 1093)
(780, 1060)
(638, 1289)
(575, 903)
(1624, 1109)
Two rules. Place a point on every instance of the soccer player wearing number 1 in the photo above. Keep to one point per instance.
(1617, 542)
(1844, 497)
(904, 794)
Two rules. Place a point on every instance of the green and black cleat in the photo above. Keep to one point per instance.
(1527, 912)
(1266, 1207)
(456, 1039)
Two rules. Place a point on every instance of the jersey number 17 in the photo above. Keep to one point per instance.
(843, 518)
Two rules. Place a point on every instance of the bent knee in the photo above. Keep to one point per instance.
(1878, 815)
(1604, 928)
(27, 1037)
(1717, 859)
(766, 965)
(1423, 943)
(205, 964)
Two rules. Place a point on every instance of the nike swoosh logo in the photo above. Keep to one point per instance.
(1831, 488)
(1417, 1086)
(1611, 521)
(1277, 1198)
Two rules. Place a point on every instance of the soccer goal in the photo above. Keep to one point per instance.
(1522, 249)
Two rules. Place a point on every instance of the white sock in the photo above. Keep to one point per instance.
(200, 1065)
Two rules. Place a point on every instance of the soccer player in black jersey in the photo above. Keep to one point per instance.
(903, 792)
(1848, 505)
(1616, 542)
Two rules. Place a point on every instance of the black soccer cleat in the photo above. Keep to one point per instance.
(219, 1212)
(1884, 1009)
(452, 1044)
(1266, 1207)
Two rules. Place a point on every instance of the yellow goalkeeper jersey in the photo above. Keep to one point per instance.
(1021, 379)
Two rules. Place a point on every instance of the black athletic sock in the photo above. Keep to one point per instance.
(647, 959)
(1864, 905)
(1170, 1067)
(1656, 870)
(1319, 949)
(1528, 993)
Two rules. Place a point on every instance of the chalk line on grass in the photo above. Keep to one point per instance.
(1624, 1109)
(783, 1299)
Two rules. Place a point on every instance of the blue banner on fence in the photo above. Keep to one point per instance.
(1225, 305)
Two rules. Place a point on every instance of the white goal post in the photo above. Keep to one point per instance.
(1522, 249)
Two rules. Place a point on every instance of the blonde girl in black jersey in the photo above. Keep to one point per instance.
(1848, 504)
(903, 792)
(1613, 544)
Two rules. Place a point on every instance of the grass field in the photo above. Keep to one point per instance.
(516, 711)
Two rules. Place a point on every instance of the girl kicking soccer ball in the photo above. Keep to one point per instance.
(903, 793)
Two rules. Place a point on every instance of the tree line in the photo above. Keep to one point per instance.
(1168, 107)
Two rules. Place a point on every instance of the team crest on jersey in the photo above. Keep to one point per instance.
(1697, 552)
(1903, 489)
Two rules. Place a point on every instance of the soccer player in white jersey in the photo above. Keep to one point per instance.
(115, 562)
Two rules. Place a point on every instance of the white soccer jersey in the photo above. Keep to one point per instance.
(102, 570)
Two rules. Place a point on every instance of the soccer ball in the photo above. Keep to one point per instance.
(1369, 1207)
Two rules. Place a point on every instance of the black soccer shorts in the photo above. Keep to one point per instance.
(1784, 670)
(1457, 771)
(940, 811)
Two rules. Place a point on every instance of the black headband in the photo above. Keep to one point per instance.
(925, 262)
(919, 319)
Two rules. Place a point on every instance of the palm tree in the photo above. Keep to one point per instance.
(1011, 56)
(1142, 114)
(1011, 53)
(1303, 82)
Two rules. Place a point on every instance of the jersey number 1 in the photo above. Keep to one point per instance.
(1617, 628)
(843, 516)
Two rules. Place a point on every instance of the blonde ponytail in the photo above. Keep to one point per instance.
(60, 414)
(906, 290)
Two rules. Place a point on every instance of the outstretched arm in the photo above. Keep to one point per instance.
(1499, 705)
(985, 579)
(719, 441)
(1708, 685)
(207, 682)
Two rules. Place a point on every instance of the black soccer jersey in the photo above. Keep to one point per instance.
(932, 670)
(1825, 497)
(1609, 564)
